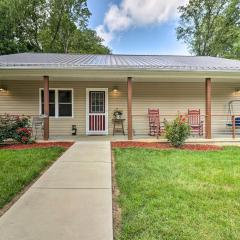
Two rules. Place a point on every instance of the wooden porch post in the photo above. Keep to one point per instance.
(129, 106)
(208, 113)
(46, 107)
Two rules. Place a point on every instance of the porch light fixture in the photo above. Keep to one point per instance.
(3, 89)
(237, 90)
(115, 89)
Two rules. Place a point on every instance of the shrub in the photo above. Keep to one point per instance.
(177, 131)
(16, 128)
(2, 135)
(22, 135)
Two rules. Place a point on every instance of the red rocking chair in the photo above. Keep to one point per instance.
(194, 120)
(154, 122)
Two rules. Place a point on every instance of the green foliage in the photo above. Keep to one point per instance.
(177, 131)
(16, 128)
(88, 41)
(211, 27)
(178, 194)
(8, 42)
(22, 135)
(20, 167)
(47, 26)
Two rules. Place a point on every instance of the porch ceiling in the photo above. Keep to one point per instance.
(117, 75)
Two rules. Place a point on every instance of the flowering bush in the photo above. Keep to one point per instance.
(177, 131)
(16, 128)
(23, 135)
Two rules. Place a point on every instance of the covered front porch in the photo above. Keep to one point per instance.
(134, 92)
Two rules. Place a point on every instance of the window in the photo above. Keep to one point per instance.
(51, 103)
(65, 103)
(60, 102)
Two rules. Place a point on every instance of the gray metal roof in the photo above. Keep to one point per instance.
(90, 61)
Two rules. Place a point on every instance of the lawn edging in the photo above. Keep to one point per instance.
(164, 146)
(116, 210)
(46, 144)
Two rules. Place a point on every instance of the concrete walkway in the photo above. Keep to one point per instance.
(71, 201)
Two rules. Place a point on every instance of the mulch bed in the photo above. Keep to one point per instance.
(158, 145)
(19, 146)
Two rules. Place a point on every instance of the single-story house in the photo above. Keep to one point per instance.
(84, 90)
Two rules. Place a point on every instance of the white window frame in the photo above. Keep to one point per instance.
(57, 102)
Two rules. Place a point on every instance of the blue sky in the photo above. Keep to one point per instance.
(138, 26)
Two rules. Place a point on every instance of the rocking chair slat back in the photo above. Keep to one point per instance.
(194, 117)
(194, 121)
(154, 122)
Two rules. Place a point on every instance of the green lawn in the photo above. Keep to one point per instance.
(177, 194)
(19, 167)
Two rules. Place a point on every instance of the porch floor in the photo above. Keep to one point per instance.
(220, 139)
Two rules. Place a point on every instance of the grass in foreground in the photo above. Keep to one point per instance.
(19, 168)
(176, 194)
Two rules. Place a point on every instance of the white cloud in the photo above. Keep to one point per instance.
(102, 33)
(117, 19)
(137, 13)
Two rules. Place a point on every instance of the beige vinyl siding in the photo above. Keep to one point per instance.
(174, 98)
(222, 94)
(23, 98)
(170, 98)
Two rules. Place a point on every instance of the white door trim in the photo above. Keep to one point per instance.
(87, 111)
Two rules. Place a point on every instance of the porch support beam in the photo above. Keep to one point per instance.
(129, 106)
(208, 108)
(46, 107)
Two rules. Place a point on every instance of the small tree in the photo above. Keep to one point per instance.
(177, 131)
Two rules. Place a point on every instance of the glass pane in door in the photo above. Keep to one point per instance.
(97, 102)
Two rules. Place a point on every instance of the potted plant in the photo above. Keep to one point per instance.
(117, 114)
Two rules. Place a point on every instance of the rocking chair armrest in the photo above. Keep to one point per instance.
(162, 125)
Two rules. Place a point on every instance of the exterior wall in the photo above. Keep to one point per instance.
(23, 98)
(172, 98)
(223, 93)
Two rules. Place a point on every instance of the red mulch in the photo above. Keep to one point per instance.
(36, 145)
(158, 145)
